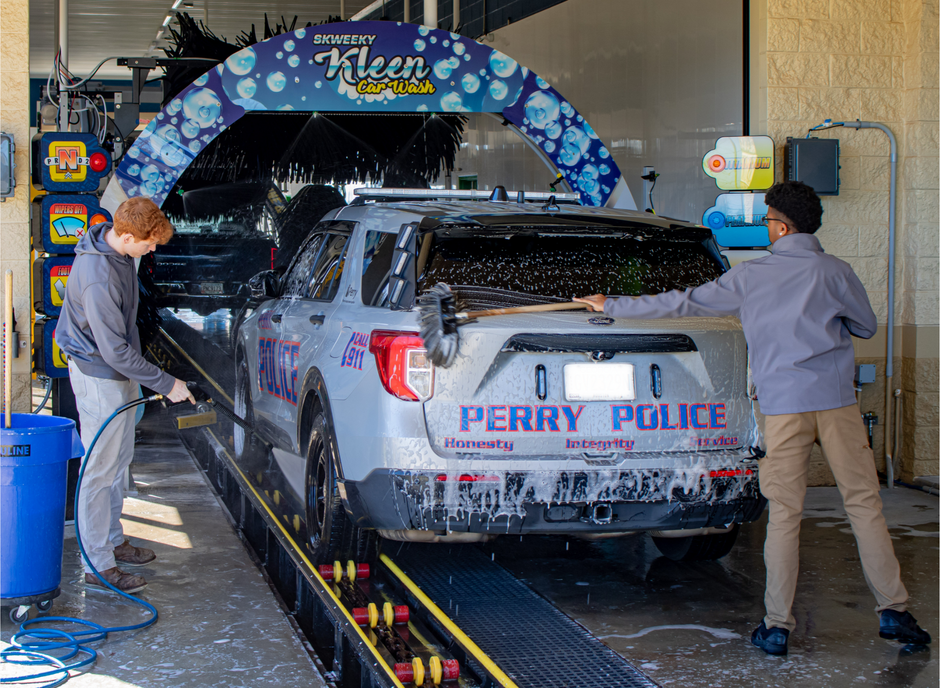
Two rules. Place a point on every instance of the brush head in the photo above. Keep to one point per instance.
(437, 311)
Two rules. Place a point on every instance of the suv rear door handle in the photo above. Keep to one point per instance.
(317, 319)
(276, 318)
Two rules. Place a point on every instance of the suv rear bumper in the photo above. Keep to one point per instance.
(551, 501)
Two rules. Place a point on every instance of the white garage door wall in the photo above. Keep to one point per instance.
(658, 81)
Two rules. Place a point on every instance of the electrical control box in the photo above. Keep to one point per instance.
(815, 162)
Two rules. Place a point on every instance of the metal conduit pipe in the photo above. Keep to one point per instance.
(889, 362)
(430, 13)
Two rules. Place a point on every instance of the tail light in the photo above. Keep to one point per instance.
(404, 367)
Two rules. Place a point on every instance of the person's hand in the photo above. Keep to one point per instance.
(596, 302)
(180, 392)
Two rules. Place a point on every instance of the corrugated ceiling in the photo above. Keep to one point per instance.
(126, 28)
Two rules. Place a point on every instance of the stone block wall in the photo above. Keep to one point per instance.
(873, 60)
(14, 212)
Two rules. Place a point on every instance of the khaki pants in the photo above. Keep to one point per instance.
(101, 498)
(783, 477)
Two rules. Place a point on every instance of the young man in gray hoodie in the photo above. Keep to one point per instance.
(799, 309)
(97, 332)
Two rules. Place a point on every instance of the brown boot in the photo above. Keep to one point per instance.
(126, 553)
(125, 582)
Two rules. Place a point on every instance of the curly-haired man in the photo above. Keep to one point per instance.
(799, 308)
(97, 331)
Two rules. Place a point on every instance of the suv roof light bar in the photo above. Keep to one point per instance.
(458, 194)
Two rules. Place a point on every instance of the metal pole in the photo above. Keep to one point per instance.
(7, 347)
(342, 9)
(407, 11)
(62, 31)
(456, 15)
(430, 13)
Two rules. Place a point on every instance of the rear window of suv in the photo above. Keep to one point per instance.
(559, 267)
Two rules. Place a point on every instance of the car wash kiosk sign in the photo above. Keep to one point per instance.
(368, 67)
(742, 165)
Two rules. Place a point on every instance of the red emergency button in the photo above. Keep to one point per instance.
(97, 219)
(98, 162)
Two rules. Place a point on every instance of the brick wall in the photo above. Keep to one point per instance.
(14, 212)
(873, 60)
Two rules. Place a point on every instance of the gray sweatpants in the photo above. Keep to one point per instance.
(101, 498)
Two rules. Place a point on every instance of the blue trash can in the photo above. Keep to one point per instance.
(34, 455)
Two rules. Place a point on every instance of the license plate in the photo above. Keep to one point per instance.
(211, 287)
(599, 382)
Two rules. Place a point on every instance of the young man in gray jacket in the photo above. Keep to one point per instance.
(799, 308)
(97, 331)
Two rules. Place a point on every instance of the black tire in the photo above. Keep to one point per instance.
(17, 616)
(245, 442)
(44, 606)
(697, 547)
(330, 533)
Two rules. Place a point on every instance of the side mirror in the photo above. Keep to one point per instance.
(264, 285)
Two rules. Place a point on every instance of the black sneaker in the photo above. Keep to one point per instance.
(901, 626)
(773, 641)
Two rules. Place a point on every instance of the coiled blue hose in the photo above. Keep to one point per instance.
(32, 645)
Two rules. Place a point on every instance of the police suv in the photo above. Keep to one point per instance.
(557, 422)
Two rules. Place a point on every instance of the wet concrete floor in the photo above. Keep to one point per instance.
(690, 624)
(219, 624)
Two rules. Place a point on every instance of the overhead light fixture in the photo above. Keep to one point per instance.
(159, 35)
(177, 4)
(168, 19)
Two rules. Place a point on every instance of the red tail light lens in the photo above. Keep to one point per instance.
(730, 474)
(403, 364)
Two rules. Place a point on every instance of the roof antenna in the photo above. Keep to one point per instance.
(550, 206)
(499, 194)
(520, 196)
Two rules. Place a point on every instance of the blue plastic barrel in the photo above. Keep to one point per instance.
(34, 456)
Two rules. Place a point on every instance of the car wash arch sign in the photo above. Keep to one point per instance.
(368, 67)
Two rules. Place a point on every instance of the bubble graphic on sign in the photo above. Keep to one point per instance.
(451, 102)
(276, 81)
(575, 136)
(289, 45)
(498, 89)
(541, 109)
(502, 65)
(201, 81)
(202, 106)
(540, 82)
(300, 33)
(419, 45)
(246, 88)
(175, 105)
(604, 170)
(567, 109)
(150, 173)
(553, 130)
(293, 61)
(590, 172)
(459, 48)
(286, 107)
(549, 146)
(164, 133)
(241, 62)
(423, 30)
(604, 153)
(279, 55)
(194, 146)
(133, 170)
(470, 83)
(569, 154)
(588, 129)
(442, 69)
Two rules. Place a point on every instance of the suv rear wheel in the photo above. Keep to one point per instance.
(331, 534)
(697, 547)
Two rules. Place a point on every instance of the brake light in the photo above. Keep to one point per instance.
(468, 478)
(730, 474)
(403, 364)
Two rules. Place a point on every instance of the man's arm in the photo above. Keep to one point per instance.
(723, 296)
(107, 327)
(857, 314)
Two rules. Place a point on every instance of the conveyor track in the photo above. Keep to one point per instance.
(463, 606)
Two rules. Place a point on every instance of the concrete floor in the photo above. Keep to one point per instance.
(219, 624)
(682, 624)
(690, 624)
